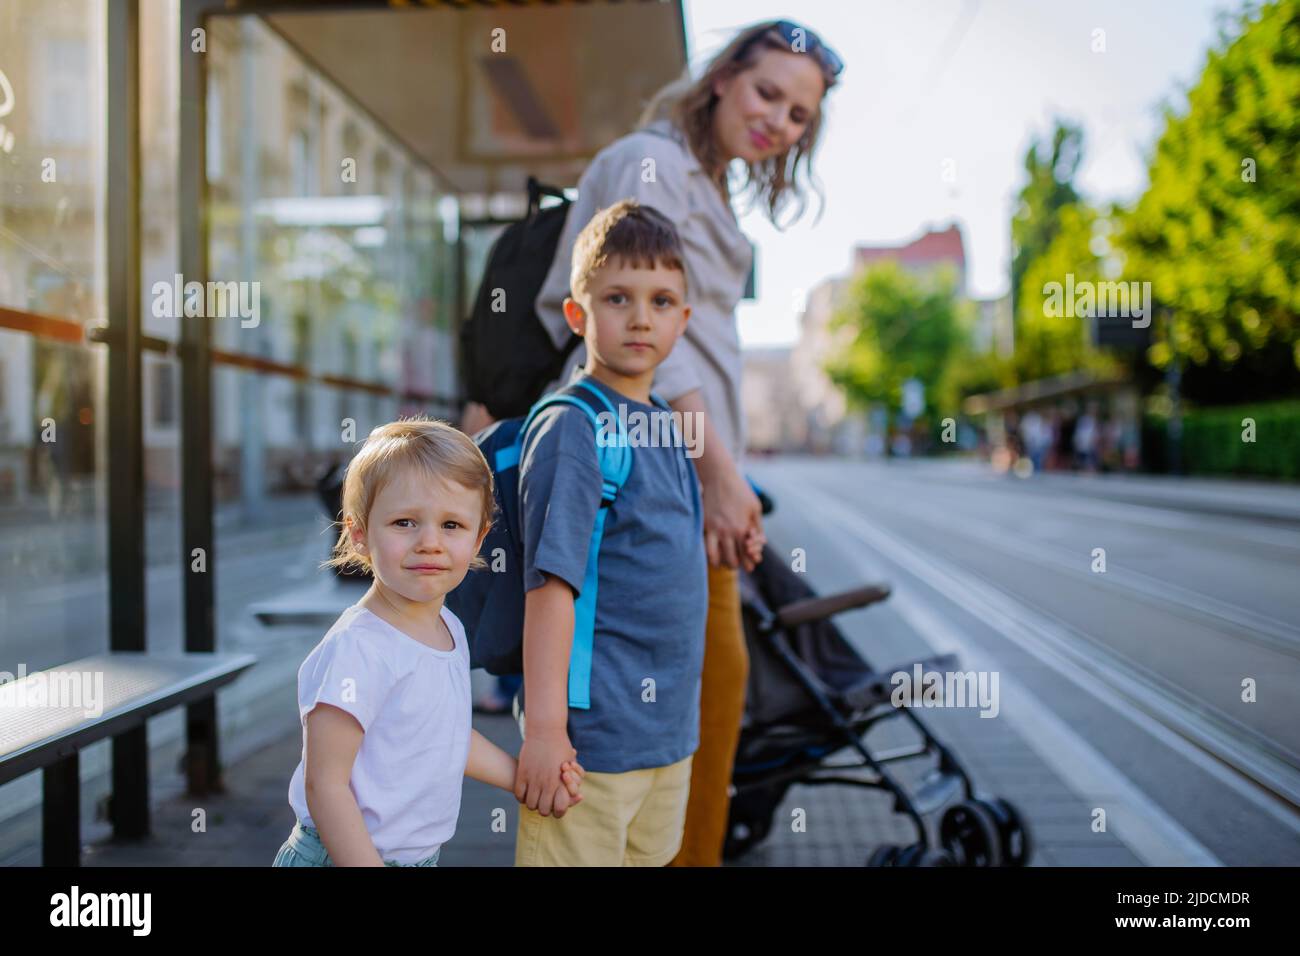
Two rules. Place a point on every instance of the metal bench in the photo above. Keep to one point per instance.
(36, 734)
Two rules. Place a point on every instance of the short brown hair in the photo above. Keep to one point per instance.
(438, 450)
(640, 235)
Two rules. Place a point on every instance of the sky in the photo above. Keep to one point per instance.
(967, 81)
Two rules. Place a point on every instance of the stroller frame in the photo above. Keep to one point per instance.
(839, 720)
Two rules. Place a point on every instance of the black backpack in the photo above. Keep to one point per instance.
(507, 357)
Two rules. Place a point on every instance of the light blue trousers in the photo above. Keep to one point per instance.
(304, 848)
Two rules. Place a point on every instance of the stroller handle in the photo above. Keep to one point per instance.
(817, 608)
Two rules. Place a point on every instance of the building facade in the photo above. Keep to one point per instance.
(831, 425)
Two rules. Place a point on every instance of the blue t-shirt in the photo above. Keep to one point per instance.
(652, 591)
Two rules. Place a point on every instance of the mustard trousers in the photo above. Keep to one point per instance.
(722, 702)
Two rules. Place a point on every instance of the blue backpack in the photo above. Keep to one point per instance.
(490, 602)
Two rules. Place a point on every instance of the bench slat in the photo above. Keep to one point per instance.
(136, 685)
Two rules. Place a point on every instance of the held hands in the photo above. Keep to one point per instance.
(571, 773)
(549, 777)
(733, 522)
(754, 541)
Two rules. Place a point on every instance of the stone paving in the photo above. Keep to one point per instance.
(247, 824)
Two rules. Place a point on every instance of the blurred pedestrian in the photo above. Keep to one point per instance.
(1085, 439)
(1065, 439)
(1037, 437)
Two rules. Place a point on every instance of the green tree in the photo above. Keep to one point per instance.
(1049, 167)
(903, 326)
(1051, 344)
(1217, 234)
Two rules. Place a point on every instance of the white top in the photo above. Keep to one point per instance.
(413, 702)
(718, 259)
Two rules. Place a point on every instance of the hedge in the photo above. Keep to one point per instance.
(1213, 441)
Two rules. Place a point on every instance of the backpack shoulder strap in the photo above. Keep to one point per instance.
(613, 452)
(615, 458)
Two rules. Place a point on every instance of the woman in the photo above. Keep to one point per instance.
(758, 101)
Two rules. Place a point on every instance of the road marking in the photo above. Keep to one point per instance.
(1136, 700)
(1136, 820)
(1120, 511)
(1269, 632)
(1196, 736)
(1140, 823)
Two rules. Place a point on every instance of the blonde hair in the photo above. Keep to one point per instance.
(629, 231)
(435, 448)
(689, 105)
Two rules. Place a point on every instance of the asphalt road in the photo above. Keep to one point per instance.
(1163, 688)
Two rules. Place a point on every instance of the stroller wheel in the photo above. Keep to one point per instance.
(741, 838)
(749, 820)
(1015, 842)
(917, 855)
(970, 832)
(884, 855)
(914, 855)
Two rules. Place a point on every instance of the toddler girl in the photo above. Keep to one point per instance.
(384, 698)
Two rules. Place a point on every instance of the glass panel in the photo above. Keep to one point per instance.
(272, 527)
(53, 549)
(52, 157)
(352, 251)
(53, 562)
(161, 375)
(159, 109)
(164, 554)
(343, 232)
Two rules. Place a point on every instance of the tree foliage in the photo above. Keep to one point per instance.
(1048, 345)
(903, 325)
(1218, 232)
(1050, 168)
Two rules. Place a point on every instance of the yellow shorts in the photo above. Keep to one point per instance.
(625, 819)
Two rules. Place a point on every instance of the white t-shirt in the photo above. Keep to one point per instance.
(413, 702)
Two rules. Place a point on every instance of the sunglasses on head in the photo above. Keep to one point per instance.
(811, 43)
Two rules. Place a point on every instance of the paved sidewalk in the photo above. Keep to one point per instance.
(247, 824)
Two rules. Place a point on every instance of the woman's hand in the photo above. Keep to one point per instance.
(754, 542)
(733, 521)
(733, 515)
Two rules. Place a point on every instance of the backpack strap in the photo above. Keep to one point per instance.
(615, 459)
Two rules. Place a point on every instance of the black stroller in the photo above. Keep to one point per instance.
(811, 697)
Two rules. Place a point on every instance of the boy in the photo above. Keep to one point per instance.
(628, 282)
